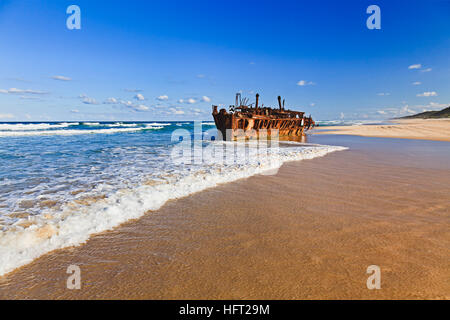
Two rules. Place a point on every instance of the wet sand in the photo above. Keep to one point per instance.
(429, 129)
(308, 232)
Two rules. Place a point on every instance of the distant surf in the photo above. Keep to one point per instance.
(74, 128)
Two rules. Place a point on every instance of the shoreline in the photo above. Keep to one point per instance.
(417, 129)
(128, 204)
(273, 237)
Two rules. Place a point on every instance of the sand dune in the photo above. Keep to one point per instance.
(429, 129)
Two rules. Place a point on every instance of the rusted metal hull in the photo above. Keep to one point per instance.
(233, 128)
(247, 121)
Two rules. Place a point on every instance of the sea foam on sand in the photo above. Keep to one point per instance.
(75, 222)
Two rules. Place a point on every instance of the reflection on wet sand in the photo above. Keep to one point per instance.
(310, 231)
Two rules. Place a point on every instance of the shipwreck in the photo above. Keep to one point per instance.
(248, 121)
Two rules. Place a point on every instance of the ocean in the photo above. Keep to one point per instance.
(61, 182)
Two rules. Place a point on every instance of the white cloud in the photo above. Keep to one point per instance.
(383, 94)
(427, 94)
(111, 101)
(163, 98)
(406, 109)
(435, 106)
(206, 99)
(302, 83)
(61, 78)
(6, 116)
(133, 90)
(415, 66)
(417, 83)
(426, 70)
(21, 91)
(312, 104)
(176, 111)
(139, 97)
(88, 100)
(126, 103)
(140, 107)
(132, 106)
(180, 100)
(75, 111)
(191, 101)
(201, 76)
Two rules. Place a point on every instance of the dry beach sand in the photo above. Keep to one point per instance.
(308, 232)
(429, 129)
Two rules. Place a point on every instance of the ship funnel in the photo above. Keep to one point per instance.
(257, 99)
(279, 102)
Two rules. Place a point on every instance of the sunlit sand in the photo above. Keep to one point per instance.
(429, 129)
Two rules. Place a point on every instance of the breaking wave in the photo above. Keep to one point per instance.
(66, 129)
(56, 192)
(75, 221)
(71, 132)
(35, 126)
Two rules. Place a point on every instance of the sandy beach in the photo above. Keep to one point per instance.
(308, 232)
(220, 150)
(429, 129)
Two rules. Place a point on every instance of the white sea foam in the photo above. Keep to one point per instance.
(34, 126)
(74, 223)
(158, 124)
(120, 124)
(73, 132)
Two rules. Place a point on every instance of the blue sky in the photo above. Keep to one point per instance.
(161, 60)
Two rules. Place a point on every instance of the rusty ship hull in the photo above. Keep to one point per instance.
(252, 121)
